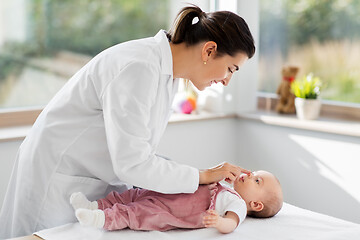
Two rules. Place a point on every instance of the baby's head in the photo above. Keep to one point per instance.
(262, 193)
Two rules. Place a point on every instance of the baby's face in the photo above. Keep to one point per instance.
(256, 186)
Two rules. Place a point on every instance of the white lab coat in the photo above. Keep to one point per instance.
(100, 131)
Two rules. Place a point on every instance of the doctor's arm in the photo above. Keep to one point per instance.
(128, 102)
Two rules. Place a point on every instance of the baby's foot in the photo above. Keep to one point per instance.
(79, 200)
(91, 218)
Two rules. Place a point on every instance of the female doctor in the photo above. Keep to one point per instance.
(101, 130)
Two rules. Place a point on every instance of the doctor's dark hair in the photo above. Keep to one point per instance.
(230, 31)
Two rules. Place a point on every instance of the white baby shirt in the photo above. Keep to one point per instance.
(227, 201)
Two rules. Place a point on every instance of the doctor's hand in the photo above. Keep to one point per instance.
(225, 171)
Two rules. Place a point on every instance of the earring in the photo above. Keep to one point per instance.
(204, 62)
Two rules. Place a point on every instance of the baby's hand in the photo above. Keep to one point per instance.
(211, 219)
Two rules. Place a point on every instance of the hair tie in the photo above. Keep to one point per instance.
(195, 20)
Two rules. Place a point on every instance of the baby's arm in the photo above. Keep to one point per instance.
(225, 224)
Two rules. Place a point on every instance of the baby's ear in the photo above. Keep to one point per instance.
(256, 206)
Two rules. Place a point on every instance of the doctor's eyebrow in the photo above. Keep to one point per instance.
(236, 67)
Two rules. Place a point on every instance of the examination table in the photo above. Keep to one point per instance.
(290, 223)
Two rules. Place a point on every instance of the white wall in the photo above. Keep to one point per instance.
(8, 152)
(318, 171)
(201, 144)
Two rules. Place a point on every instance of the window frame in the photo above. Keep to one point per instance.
(239, 88)
(18, 116)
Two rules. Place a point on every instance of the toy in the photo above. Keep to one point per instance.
(286, 102)
(186, 105)
(185, 101)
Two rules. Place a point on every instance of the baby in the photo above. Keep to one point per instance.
(258, 195)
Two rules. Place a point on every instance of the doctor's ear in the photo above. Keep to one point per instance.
(256, 206)
(208, 50)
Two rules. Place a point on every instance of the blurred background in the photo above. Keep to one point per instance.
(44, 42)
(319, 36)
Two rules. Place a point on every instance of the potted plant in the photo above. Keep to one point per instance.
(307, 100)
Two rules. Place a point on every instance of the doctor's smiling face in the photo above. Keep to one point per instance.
(213, 69)
(207, 48)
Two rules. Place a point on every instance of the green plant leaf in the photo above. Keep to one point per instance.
(306, 87)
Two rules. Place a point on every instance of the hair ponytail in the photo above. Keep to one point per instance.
(183, 23)
(228, 30)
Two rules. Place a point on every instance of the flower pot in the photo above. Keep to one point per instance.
(307, 109)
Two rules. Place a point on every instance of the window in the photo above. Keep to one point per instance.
(322, 37)
(44, 42)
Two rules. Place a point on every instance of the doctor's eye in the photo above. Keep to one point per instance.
(257, 181)
(230, 70)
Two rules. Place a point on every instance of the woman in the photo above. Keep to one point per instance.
(101, 131)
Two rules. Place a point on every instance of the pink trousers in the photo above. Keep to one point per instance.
(141, 209)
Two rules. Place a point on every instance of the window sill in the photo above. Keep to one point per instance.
(180, 118)
(336, 118)
(18, 133)
(323, 124)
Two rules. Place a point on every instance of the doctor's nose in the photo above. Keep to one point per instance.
(226, 80)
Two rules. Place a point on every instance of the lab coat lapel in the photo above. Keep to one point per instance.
(166, 61)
